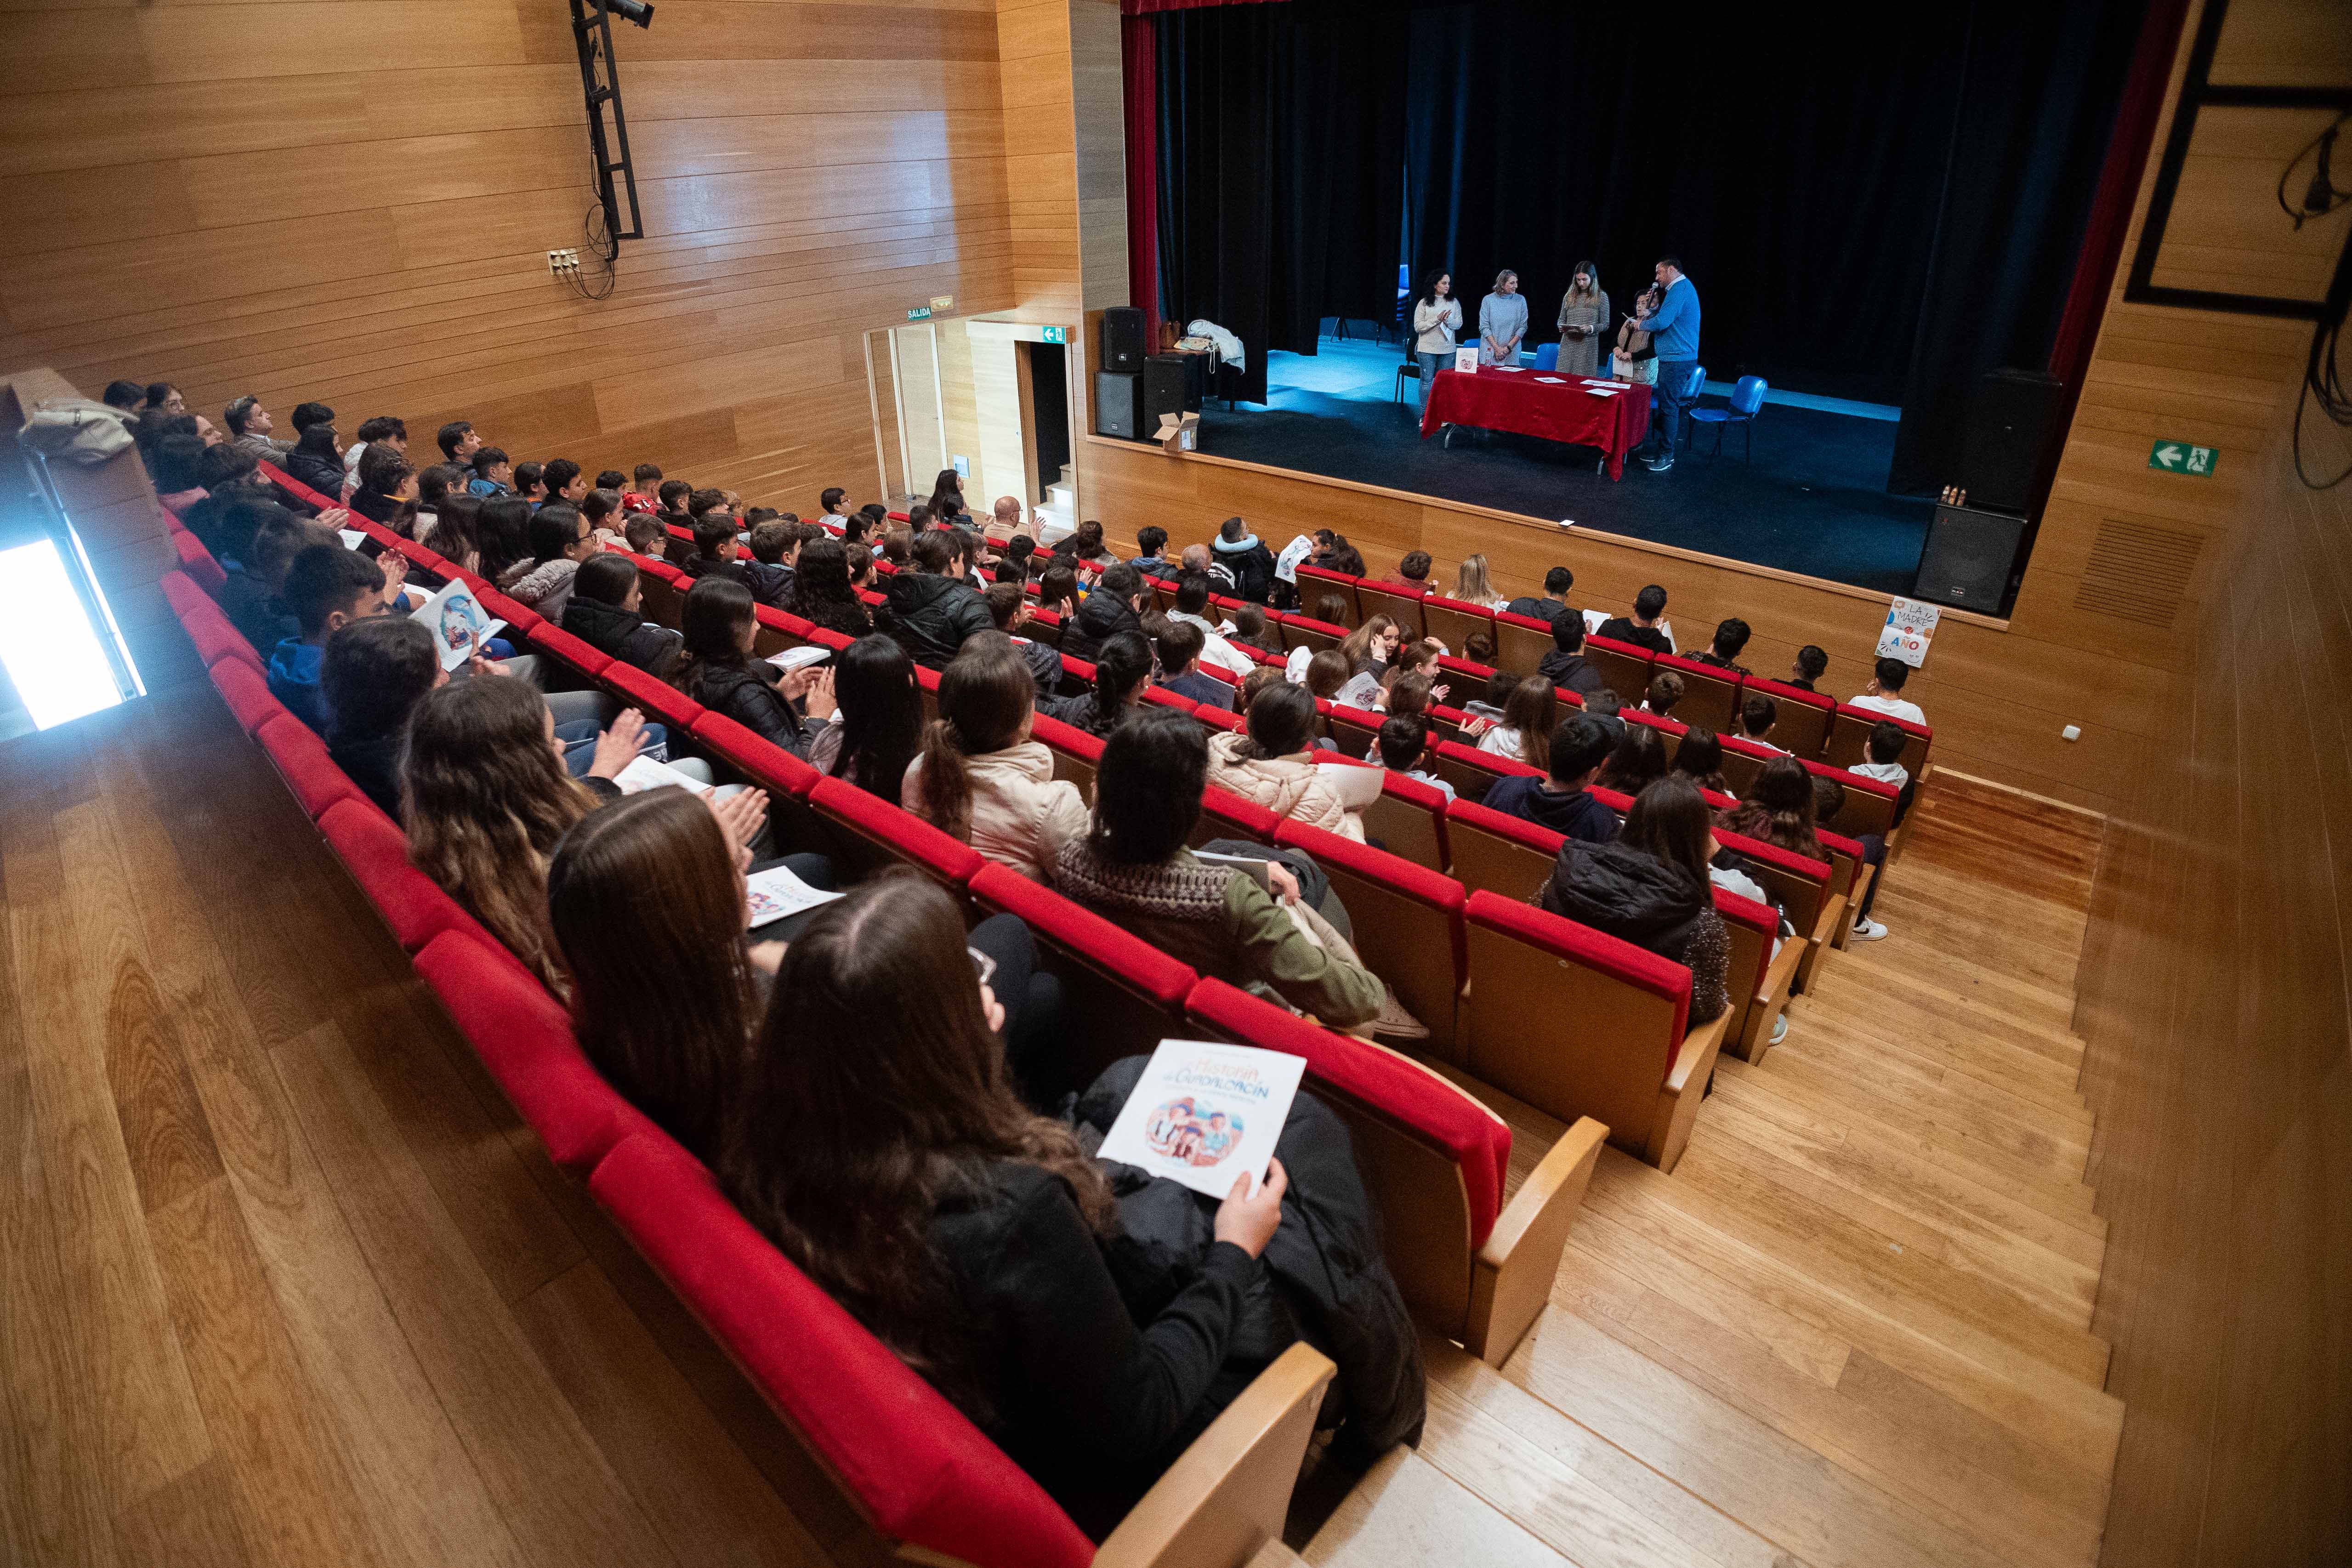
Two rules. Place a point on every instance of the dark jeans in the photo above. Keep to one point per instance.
(1874, 851)
(1032, 1001)
(1665, 408)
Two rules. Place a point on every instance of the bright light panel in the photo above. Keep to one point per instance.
(50, 651)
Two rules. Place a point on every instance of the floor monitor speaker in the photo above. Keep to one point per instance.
(2012, 423)
(1117, 404)
(1970, 556)
(1122, 339)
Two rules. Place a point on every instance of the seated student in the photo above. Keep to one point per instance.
(719, 672)
(1649, 885)
(1324, 673)
(602, 612)
(1193, 606)
(1019, 562)
(1566, 666)
(326, 586)
(1115, 605)
(1331, 610)
(493, 475)
(564, 480)
(1478, 648)
(1371, 645)
(1699, 759)
(175, 472)
(1758, 717)
(485, 794)
(560, 541)
(1122, 672)
(381, 430)
(928, 607)
(256, 571)
(1408, 694)
(1642, 630)
(775, 552)
(611, 480)
(1412, 573)
(372, 675)
(1779, 809)
(715, 556)
(1402, 747)
(1008, 607)
(502, 528)
(821, 589)
(456, 532)
(980, 777)
(1812, 663)
(1730, 636)
(1665, 691)
(1180, 646)
(1084, 542)
(601, 509)
(1524, 732)
(1636, 761)
(1829, 799)
(317, 460)
(1249, 563)
(674, 496)
(1344, 557)
(1489, 704)
(1605, 705)
(1563, 800)
(1472, 584)
(1886, 761)
(1151, 552)
(1884, 693)
(1133, 865)
(877, 718)
(834, 508)
(643, 534)
(459, 441)
(1057, 590)
(1251, 627)
(385, 481)
(1554, 603)
(1273, 763)
(440, 481)
(531, 483)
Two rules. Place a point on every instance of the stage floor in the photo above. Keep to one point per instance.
(1813, 501)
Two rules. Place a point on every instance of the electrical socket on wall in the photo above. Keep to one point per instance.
(562, 261)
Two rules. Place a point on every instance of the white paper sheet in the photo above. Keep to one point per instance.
(1286, 565)
(794, 659)
(775, 893)
(1202, 1114)
(644, 773)
(352, 537)
(458, 623)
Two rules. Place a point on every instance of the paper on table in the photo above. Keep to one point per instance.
(457, 622)
(776, 893)
(1508, 369)
(795, 657)
(644, 773)
(1204, 1112)
(1552, 381)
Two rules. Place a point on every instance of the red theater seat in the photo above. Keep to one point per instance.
(247, 693)
(1224, 815)
(1522, 642)
(872, 834)
(197, 562)
(1407, 918)
(1316, 582)
(1451, 621)
(302, 761)
(376, 854)
(1624, 665)
(584, 659)
(1804, 725)
(1409, 818)
(1125, 995)
(1710, 696)
(657, 699)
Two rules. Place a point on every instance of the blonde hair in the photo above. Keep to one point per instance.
(1506, 272)
(1472, 586)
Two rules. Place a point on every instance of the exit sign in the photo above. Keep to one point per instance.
(920, 313)
(2182, 458)
(1056, 335)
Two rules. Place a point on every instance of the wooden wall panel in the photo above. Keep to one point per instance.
(353, 200)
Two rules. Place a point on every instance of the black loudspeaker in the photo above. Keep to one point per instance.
(2011, 424)
(1969, 557)
(1117, 404)
(1168, 388)
(1122, 339)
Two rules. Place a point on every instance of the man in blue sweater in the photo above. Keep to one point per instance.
(1674, 337)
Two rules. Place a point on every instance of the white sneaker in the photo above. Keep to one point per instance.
(1867, 930)
(1779, 1028)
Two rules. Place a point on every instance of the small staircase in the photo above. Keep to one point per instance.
(1057, 514)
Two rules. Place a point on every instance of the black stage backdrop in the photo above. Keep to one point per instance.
(1874, 204)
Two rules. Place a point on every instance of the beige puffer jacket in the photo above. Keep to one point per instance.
(1020, 814)
(1286, 787)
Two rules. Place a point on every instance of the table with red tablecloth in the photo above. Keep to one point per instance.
(1565, 410)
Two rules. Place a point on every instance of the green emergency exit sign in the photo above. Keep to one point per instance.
(2181, 457)
(920, 313)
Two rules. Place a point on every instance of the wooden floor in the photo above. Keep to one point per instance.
(283, 1280)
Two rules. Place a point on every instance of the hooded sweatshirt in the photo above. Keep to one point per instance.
(1575, 813)
(930, 616)
(1631, 894)
(1251, 564)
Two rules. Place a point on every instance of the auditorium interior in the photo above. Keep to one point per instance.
(2021, 1237)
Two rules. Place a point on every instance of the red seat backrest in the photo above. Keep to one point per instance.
(1804, 725)
(776, 770)
(302, 761)
(197, 562)
(894, 833)
(245, 691)
(659, 699)
(583, 657)
(1133, 964)
(1710, 696)
(1581, 945)
(373, 850)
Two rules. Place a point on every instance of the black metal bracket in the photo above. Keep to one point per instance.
(2196, 93)
(600, 83)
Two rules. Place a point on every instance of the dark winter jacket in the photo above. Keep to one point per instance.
(315, 463)
(1101, 617)
(766, 587)
(1572, 671)
(1251, 564)
(1575, 814)
(624, 635)
(1536, 609)
(930, 616)
(1621, 629)
(749, 696)
(1631, 894)
(253, 610)
(373, 763)
(1044, 662)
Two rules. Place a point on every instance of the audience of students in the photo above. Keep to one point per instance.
(1649, 885)
(1191, 607)
(1563, 800)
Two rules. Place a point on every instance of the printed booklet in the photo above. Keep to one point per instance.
(458, 623)
(1204, 1112)
(776, 893)
(644, 773)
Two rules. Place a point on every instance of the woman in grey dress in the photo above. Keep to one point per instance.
(1502, 321)
(1583, 319)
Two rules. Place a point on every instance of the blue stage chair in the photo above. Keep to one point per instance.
(1548, 357)
(1746, 397)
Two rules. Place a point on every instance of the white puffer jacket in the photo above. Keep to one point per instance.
(1020, 814)
(1288, 787)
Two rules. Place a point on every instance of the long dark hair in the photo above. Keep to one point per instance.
(503, 529)
(986, 697)
(1699, 757)
(1638, 760)
(1429, 286)
(1122, 664)
(874, 1093)
(881, 714)
(820, 590)
(946, 495)
(717, 609)
(1669, 820)
(1281, 721)
(1147, 788)
(1779, 809)
(647, 905)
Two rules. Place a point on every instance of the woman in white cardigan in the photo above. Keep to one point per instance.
(1436, 323)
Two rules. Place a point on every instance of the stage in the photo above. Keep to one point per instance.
(1813, 501)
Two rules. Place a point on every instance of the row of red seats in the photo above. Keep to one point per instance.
(1434, 1158)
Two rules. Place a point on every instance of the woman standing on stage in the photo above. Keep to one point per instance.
(1635, 359)
(1436, 323)
(1502, 321)
(1584, 319)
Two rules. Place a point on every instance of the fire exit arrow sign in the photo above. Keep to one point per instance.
(2181, 457)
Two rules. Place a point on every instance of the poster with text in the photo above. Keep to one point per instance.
(1910, 627)
(1204, 1112)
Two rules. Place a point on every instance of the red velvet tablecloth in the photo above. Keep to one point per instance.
(1497, 399)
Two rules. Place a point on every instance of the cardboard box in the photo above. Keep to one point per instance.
(1180, 433)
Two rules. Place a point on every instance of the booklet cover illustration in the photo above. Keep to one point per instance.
(1204, 1112)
